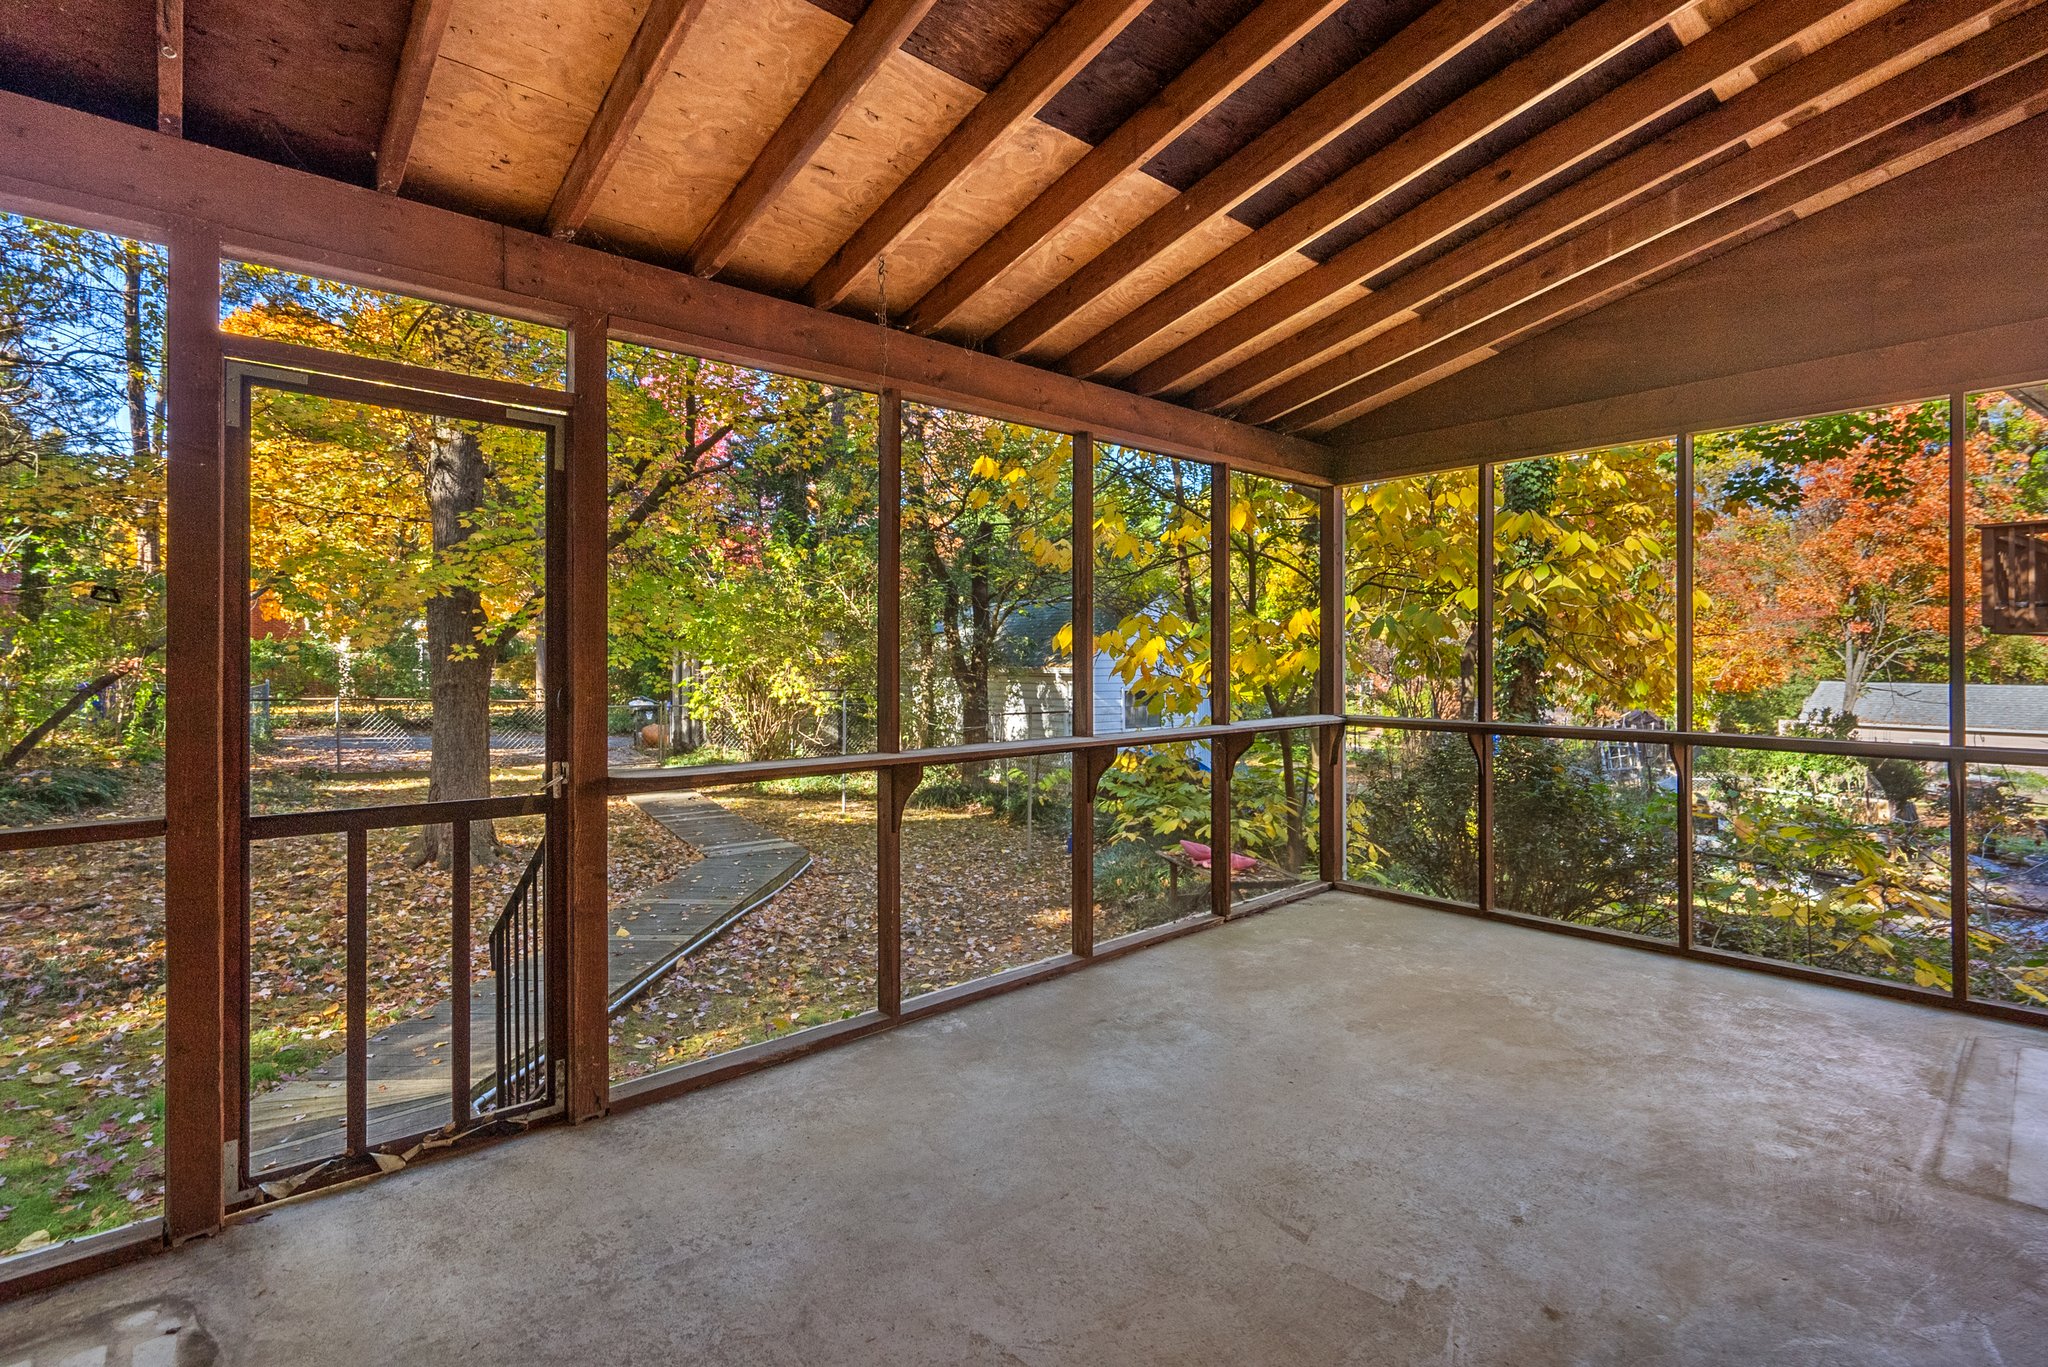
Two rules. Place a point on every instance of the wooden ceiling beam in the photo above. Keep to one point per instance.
(879, 31)
(1682, 77)
(1991, 109)
(170, 68)
(1442, 32)
(1679, 79)
(1999, 70)
(1081, 33)
(1218, 73)
(423, 35)
(649, 57)
(1910, 33)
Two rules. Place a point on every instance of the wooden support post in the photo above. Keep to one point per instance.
(1330, 798)
(889, 569)
(1083, 539)
(1330, 685)
(202, 843)
(1225, 754)
(1089, 767)
(1958, 696)
(1681, 755)
(581, 697)
(1219, 684)
(1083, 764)
(1482, 743)
(894, 787)
(356, 992)
(460, 973)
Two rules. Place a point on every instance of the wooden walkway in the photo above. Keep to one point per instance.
(409, 1080)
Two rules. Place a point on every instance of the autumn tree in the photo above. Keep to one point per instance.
(81, 482)
(987, 538)
(1152, 578)
(1412, 594)
(1585, 620)
(743, 542)
(1823, 547)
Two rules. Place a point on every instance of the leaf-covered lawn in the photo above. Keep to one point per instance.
(81, 957)
(81, 1040)
(81, 960)
(980, 895)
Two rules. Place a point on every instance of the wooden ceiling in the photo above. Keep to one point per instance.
(1291, 212)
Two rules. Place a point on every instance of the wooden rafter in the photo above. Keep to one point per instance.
(1684, 76)
(1081, 33)
(1347, 385)
(881, 29)
(1996, 106)
(423, 35)
(170, 67)
(648, 58)
(1440, 34)
(1916, 30)
(1680, 78)
(1237, 57)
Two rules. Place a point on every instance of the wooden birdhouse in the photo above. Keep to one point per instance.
(2015, 578)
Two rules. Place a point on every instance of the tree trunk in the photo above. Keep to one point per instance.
(80, 696)
(148, 531)
(34, 593)
(460, 653)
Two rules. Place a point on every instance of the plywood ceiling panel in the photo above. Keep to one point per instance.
(1141, 284)
(95, 55)
(1032, 157)
(905, 111)
(512, 92)
(978, 41)
(1253, 287)
(301, 82)
(740, 71)
(1111, 214)
(490, 142)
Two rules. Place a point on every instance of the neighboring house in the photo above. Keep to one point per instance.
(1027, 703)
(2002, 716)
(1029, 700)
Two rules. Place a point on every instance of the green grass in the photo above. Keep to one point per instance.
(74, 1159)
(275, 1055)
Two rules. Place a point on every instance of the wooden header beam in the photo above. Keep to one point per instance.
(85, 169)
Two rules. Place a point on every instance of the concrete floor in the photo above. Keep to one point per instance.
(1343, 1132)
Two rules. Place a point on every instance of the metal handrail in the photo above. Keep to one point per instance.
(518, 962)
